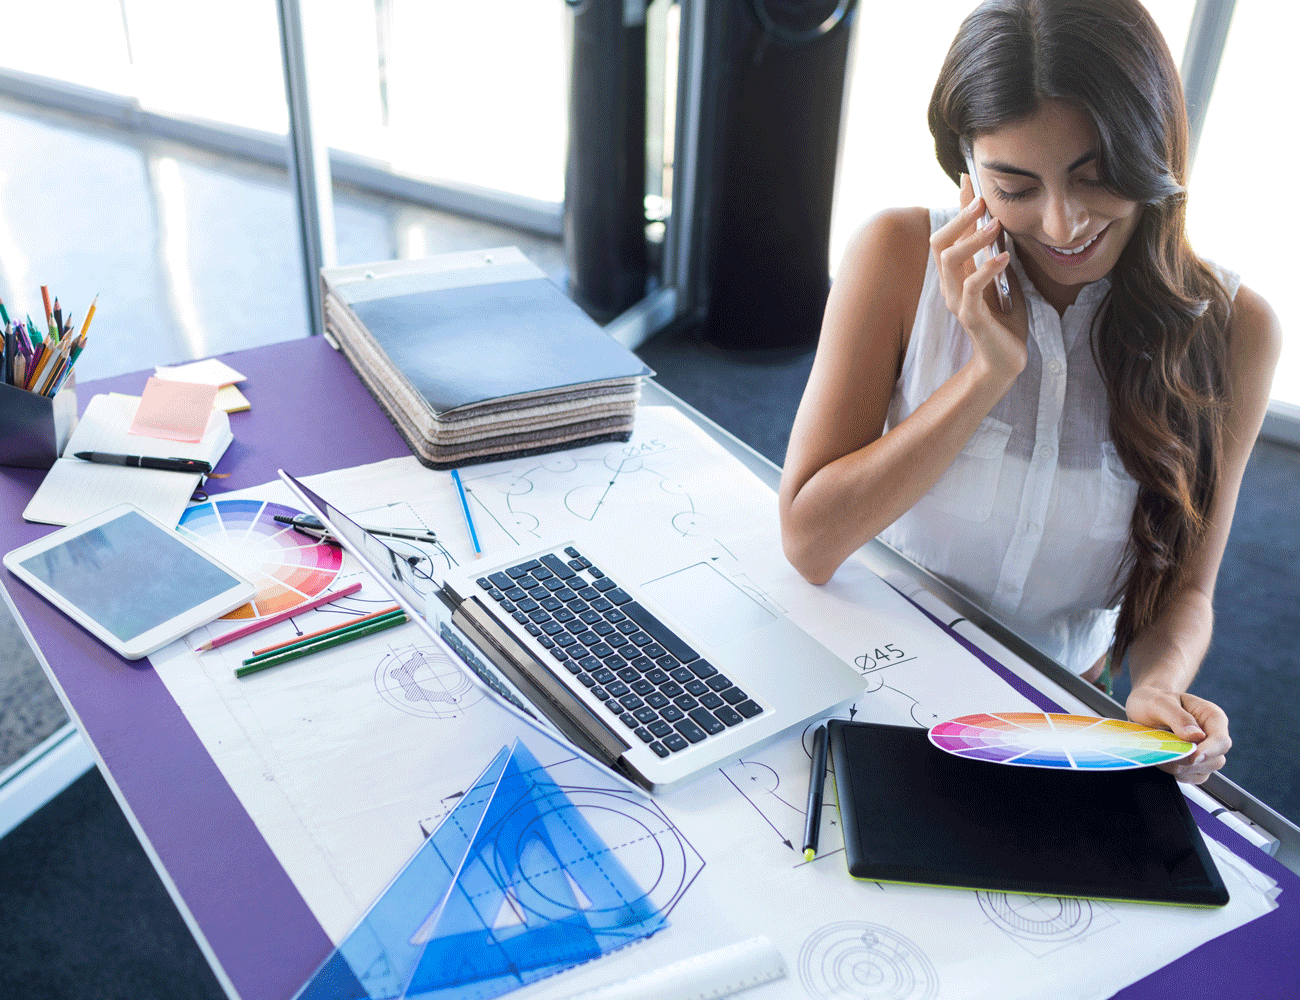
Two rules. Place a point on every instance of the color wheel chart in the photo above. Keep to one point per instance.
(284, 565)
(1048, 739)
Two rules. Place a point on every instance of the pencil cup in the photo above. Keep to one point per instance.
(33, 428)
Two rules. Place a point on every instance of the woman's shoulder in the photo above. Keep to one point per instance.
(900, 236)
(1255, 335)
(884, 265)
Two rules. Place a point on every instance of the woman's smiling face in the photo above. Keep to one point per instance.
(1039, 178)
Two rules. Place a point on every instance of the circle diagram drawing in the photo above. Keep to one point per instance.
(855, 958)
(422, 680)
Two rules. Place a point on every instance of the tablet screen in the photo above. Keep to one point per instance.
(129, 575)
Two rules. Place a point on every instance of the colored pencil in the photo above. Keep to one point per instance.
(24, 341)
(283, 616)
(90, 314)
(322, 631)
(49, 317)
(464, 505)
(328, 634)
(43, 357)
(55, 367)
(322, 644)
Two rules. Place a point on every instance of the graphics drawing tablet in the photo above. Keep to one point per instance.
(129, 580)
(914, 814)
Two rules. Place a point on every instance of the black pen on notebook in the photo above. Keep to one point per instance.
(194, 465)
(816, 780)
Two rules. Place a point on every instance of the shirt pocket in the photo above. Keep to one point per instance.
(1117, 494)
(969, 487)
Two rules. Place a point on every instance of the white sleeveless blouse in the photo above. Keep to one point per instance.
(1031, 520)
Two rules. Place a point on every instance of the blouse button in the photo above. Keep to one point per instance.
(1054, 367)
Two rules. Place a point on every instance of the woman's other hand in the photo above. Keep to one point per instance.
(997, 338)
(1189, 718)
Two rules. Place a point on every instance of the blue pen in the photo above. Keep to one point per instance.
(464, 505)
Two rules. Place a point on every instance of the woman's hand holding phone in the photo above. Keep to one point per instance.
(969, 286)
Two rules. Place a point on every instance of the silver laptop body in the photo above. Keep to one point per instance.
(659, 680)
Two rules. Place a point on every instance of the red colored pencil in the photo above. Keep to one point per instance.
(283, 616)
(329, 628)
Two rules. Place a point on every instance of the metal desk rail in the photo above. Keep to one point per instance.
(882, 560)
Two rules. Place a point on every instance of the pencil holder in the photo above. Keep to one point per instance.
(33, 428)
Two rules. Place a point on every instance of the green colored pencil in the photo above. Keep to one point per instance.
(320, 644)
(308, 640)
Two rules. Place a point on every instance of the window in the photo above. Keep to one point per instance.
(1239, 210)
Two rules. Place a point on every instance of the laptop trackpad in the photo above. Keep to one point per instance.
(708, 604)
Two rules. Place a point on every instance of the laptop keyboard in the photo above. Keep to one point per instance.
(643, 672)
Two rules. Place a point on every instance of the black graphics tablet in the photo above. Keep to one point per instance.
(912, 813)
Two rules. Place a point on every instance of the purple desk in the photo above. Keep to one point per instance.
(311, 414)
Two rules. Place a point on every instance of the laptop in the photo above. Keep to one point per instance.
(658, 680)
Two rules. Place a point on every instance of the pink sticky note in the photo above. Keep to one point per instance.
(174, 411)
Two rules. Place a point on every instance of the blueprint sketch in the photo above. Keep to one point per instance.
(348, 761)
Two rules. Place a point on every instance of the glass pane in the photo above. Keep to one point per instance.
(89, 45)
(190, 252)
(1248, 141)
(887, 153)
(215, 61)
(468, 92)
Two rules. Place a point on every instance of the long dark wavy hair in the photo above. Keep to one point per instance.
(1160, 338)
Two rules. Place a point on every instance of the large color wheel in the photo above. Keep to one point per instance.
(284, 565)
(1043, 739)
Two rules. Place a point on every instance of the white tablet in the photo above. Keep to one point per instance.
(129, 580)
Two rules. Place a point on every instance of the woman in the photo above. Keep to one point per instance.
(1071, 465)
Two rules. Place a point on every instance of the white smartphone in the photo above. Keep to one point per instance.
(999, 245)
(130, 581)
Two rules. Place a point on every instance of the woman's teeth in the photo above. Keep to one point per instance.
(1078, 249)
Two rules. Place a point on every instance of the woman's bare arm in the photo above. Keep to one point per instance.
(843, 481)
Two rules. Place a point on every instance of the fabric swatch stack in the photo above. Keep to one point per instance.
(477, 356)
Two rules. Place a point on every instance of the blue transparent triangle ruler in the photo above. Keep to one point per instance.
(513, 886)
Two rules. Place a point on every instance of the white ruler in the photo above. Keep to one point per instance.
(702, 977)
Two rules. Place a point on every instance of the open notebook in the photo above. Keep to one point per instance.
(74, 490)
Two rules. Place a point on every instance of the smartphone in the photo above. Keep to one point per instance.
(999, 245)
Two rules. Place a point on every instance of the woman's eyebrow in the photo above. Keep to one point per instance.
(997, 166)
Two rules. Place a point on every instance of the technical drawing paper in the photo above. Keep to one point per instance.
(347, 759)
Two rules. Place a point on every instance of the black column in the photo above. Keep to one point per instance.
(604, 193)
(780, 68)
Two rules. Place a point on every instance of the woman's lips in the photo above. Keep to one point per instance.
(1076, 255)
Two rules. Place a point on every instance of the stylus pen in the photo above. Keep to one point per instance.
(464, 505)
(816, 779)
(146, 462)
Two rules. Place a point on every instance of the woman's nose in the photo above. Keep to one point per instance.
(1064, 220)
